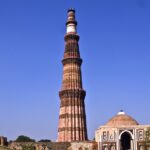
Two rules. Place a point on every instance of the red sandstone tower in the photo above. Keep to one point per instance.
(72, 118)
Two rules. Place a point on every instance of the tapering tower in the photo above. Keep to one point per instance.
(72, 117)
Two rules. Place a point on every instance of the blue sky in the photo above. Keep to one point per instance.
(114, 46)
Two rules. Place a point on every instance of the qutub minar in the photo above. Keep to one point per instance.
(72, 117)
(121, 132)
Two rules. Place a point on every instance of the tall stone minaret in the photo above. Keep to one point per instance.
(72, 118)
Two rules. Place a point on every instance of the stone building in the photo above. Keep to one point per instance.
(121, 132)
(72, 117)
(3, 141)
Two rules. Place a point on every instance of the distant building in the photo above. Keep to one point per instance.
(3, 141)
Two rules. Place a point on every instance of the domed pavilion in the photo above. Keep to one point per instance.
(121, 132)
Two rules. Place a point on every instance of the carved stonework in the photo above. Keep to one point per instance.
(72, 118)
(140, 134)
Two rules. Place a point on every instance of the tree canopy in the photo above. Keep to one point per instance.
(23, 138)
(44, 140)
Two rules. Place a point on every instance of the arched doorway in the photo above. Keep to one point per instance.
(125, 141)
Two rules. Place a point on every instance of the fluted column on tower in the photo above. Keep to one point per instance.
(72, 117)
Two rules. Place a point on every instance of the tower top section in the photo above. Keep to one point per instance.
(71, 9)
(71, 21)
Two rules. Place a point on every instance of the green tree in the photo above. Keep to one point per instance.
(44, 140)
(23, 138)
(28, 147)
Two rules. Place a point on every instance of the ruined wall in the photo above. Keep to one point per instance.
(4, 148)
(89, 145)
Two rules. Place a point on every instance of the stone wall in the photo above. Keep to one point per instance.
(4, 148)
(87, 145)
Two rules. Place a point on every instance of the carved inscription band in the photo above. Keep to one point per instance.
(71, 129)
(71, 116)
(72, 36)
(79, 93)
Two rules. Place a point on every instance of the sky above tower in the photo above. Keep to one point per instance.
(114, 46)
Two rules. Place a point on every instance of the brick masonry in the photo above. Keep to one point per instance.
(86, 145)
(72, 117)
